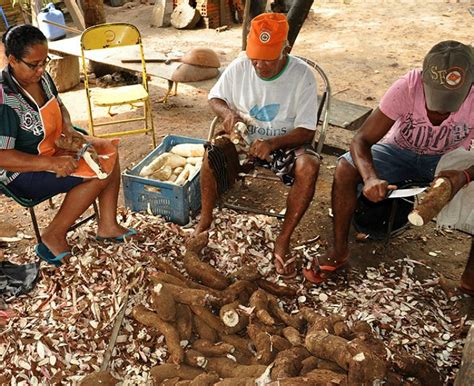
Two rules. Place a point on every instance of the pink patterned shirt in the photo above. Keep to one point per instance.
(404, 102)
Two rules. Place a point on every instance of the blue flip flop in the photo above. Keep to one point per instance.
(43, 252)
(119, 239)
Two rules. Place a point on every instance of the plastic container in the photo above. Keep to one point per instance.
(178, 204)
(116, 3)
(50, 13)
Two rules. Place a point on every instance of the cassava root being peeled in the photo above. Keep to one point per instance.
(432, 203)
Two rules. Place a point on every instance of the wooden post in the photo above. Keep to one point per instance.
(161, 16)
(35, 10)
(76, 14)
(245, 24)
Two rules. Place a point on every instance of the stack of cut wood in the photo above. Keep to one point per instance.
(220, 332)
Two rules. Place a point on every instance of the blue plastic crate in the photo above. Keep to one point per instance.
(175, 203)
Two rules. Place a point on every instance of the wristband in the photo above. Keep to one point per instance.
(468, 176)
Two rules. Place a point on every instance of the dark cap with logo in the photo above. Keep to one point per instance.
(448, 73)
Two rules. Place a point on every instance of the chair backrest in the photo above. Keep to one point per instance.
(323, 108)
(110, 35)
(324, 104)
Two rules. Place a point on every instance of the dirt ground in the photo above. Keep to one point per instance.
(363, 47)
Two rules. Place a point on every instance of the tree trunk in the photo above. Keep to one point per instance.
(94, 12)
(252, 8)
(296, 16)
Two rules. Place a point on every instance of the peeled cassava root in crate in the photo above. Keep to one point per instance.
(177, 165)
(237, 333)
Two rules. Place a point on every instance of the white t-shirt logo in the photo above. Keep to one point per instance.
(264, 37)
(454, 78)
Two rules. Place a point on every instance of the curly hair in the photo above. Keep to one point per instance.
(17, 40)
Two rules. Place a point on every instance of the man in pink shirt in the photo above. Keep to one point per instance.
(423, 115)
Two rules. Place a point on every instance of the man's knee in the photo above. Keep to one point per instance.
(307, 168)
(346, 172)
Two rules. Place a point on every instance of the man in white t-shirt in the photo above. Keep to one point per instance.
(424, 115)
(275, 95)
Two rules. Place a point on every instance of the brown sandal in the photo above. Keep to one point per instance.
(285, 264)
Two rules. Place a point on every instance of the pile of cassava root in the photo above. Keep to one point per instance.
(233, 331)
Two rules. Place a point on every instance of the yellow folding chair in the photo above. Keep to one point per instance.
(112, 35)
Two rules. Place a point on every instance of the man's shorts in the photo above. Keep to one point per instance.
(224, 162)
(37, 185)
(395, 164)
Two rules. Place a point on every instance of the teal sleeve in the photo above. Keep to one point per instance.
(9, 126)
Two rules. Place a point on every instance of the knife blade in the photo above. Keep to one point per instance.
(398, 193)
(84, 148)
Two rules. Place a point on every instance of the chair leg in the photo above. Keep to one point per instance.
(35, 224)
(90, 217)
(149, 121)
(96, 210)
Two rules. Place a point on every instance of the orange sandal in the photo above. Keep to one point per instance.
(318, 273)
(285, 264)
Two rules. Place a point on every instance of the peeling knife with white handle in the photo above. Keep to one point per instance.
(399, 193)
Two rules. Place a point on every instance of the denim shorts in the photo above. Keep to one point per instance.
(37, 185)
(395, 164)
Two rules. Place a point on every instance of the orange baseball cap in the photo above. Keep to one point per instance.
(268, 33)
